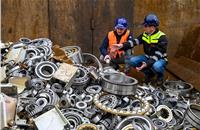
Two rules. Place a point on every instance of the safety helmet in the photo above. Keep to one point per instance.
(151, 20)
(121, 23)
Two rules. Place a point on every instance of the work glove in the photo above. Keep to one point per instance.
(101, 57)
(107, 59)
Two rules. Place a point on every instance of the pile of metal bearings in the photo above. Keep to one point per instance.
(84, 95)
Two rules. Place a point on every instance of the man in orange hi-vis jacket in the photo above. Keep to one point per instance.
(119, 35)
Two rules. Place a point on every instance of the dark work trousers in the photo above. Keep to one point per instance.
(121, 60)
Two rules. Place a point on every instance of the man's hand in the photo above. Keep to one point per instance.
(107, 59)
(141, 67)
(116, 47)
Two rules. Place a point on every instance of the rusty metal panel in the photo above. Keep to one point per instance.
(176, 16)
(70, 23)
(189, 63)
(105, 13)
(24, 18)
(182, 71)
(190, 45)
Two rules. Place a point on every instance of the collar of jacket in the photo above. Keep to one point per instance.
(115, 32)
(153, 32)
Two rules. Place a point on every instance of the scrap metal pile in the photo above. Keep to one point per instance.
(65, 89)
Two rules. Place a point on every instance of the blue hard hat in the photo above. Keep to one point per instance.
(151, 20)
(121, 23)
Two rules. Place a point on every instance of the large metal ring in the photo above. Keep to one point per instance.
(119, 84)
(178, 86)
(193, 115)
(92, 60)
(135, 122)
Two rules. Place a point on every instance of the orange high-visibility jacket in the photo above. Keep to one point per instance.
(113, 40)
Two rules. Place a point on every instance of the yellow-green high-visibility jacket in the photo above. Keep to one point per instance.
(155, 46)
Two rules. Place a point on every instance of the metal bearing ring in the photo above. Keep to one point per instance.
(97, 118)
(82, 77)
(87, 58)
(178, 86)
(74, 53)
(81, 105)
(56, 87)
(159, 124)
(88, 127)
(42, 41)
(64, 102)
(69, 90)
(107, 123)
(25, 40)
(36, 84)
(94, 89)
(45, 70)
(41, 102)
(109, 100)
(145, 107)
(32, 52)
(164, 113)
(193, 115)
(89, 112)
(88, 99)
(136, 121)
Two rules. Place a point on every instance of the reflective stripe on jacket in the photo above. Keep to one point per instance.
(152, 38)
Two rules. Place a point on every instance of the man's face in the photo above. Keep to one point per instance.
(149, 29)
(120, 31)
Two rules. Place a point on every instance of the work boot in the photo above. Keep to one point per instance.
(159, 82)
(146, 80)
(127, 69)
(149, 76)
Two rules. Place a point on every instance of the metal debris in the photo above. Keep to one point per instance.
(65, 89)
